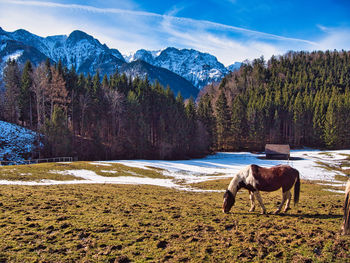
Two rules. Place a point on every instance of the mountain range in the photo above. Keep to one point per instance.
(199, 68)
(184, 70)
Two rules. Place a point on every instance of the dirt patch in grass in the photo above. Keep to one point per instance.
(126, 223)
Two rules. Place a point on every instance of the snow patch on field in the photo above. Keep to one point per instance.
(218, 166)
(227, 164)
(101, 163)
(109, 171)
(91, 177)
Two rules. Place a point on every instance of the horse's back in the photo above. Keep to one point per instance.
(273, 178)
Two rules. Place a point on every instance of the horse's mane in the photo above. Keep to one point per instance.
(237, 178)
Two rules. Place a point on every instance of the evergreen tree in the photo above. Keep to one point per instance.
(205, 114)
(331, 128)
(222, 121)
(238, 122)
(190, 110)
(57, 135)
(26, 96)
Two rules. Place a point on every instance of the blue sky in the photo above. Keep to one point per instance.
(232, 30)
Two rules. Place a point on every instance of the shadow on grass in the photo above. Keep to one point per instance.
(289, 159)
(315, 216)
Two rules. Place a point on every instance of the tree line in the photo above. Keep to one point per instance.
(300, 98)
(94, 117)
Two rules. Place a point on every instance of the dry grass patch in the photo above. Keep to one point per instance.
(108, 223)
(37, 172)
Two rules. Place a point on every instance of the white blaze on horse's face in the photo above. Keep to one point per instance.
(229, 201)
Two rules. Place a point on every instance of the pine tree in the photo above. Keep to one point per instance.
(222, 121)
(190, 110)
(238, 122)
(26, 96)
(298, 118)
(57, 134)
(205, 114)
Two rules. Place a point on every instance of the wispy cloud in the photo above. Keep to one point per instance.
(334, 38)
(164, 16)
(130, 29)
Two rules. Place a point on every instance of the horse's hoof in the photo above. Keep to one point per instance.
(263, 213)
(251, 210)
(276, 212)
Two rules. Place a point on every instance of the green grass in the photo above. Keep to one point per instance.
(112, 223)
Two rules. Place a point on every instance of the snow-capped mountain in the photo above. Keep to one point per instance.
(199, 68)
(235, 66)
(177, 83)
(78, 49)
(142, 54)
(88, 55)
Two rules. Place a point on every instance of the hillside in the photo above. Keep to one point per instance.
(300, 99)
(165, 77)
(16, 142)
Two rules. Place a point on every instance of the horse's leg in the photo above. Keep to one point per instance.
(284, 197)
(252, 201)
(258, 197)
(289, 197)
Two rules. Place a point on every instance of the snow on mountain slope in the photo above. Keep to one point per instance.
(14, 55)
(16, 142)
(78, 49)
(165, 77)
(234, 66)
(145, 55)
(199, 68)
(88, 55)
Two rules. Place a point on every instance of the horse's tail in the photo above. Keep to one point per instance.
(297, 189)
(346, 224)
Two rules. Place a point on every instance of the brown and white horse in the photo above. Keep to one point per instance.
(346, 222)
(255, 178)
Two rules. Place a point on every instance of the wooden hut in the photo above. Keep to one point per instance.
(277, 151)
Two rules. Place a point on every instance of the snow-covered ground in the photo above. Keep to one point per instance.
(15, 142)
(226, 164)
(218, 166)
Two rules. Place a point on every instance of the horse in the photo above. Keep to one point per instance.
(346, 221)
(255, 178)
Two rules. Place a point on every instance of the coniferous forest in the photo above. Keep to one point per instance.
(94, 117)
(301, 98)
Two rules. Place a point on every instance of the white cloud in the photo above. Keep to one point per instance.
(129, 30)
(334, 38)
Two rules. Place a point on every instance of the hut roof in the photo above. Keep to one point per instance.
(277, 149)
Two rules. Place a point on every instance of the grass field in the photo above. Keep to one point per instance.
(138, 223)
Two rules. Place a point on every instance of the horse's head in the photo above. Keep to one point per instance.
(229, 201)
